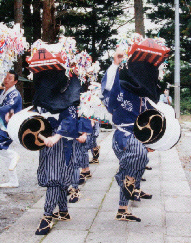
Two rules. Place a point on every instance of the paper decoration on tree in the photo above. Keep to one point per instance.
(12, 44)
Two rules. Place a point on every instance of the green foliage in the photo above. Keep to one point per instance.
(185, 101)
(164, 14)
(7, 12)
(92, 25)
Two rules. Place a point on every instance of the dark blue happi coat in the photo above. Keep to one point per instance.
(11, 101)
(125, 106)
(56, 163)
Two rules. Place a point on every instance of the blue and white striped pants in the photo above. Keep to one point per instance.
(55, 195)
(54, 173)
(81, 160)
(132, 162)
(92, 139)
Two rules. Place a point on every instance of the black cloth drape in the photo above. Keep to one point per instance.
(54, 91)
(141, 78)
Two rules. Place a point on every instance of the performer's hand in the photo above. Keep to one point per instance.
(118, 56)
(82, 138)
(9, 115)
(92, 123)
(50, 141)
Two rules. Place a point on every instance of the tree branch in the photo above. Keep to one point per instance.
(125, 23)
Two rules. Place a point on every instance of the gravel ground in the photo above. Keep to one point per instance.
(14, 202)
(184, 146)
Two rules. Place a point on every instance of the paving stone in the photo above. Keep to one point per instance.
(177, 240)
(106, 237)
(176, 188)
(178, 204)
(178, 224)
(81, 219)
(154, 236)
(105, 222)
(88, 199)
(69, 236)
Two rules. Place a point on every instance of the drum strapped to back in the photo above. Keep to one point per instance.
(158, 129)
(29, 129)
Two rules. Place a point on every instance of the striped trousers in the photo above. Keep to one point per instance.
(81, 160)
(132, 162)
(55, 174)
(55, 195)
(92, 142)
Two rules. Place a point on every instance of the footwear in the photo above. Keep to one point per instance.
(143, 179)
(9, 185)
(75, 196)
(14, 162)
(88, 174)
(70, 191)
(45, 226)
(148, 168)
(136, 195)
(94, 161)
(64, 216)
(95, 155)
(144, 195)
(126, 216)
(82, 179)
(128, 188)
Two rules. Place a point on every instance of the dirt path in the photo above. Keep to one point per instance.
(184, 146)
(15, 201)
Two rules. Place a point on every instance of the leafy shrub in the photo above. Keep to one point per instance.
(185, 101)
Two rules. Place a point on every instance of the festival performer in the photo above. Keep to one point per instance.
(10, 102)
(81, 160)
(92, 140)
(85, 171)
(86, 109)
(58, 71)
(125, 95)
(56, 162)
(91, 107)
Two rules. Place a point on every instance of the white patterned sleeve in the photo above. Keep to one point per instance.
(111, 73)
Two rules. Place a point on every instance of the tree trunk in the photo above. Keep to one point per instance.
(49, 30)
(94, 52)
(27, 23)
(139, 17)
(36, 20)
(18, 17)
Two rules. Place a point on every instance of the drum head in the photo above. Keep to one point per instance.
(29, 130)
(149, 126)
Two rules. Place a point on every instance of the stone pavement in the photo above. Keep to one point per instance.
(166, 218)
